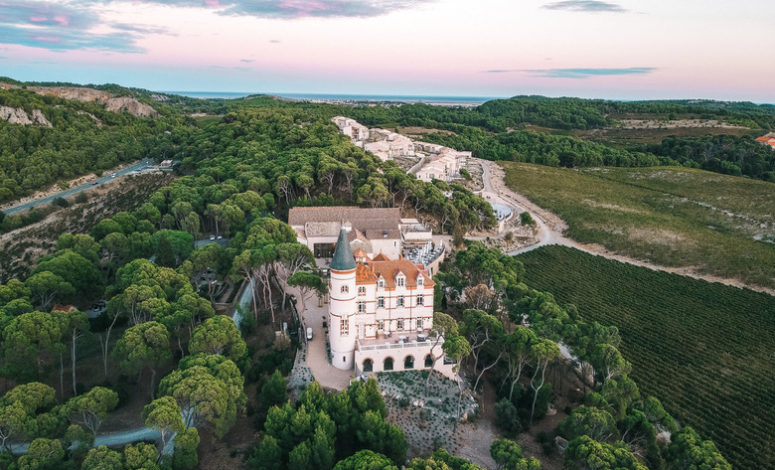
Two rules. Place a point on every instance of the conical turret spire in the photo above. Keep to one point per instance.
(343, 256)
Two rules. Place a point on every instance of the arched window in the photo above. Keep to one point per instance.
(409, 362)
(345, 289)
(428, 361)
(388, 364)
(368, 365)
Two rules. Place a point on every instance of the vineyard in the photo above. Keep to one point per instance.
(671, 216)
(706, 350)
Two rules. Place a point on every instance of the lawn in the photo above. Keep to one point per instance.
(706, 350)
(672, 216)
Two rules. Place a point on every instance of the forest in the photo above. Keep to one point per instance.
(722, 154)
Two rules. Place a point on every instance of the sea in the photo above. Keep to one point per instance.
(448, 100)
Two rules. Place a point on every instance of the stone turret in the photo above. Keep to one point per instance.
(342, 290)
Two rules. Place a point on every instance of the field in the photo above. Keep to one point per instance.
(671, 216)
(705, 350)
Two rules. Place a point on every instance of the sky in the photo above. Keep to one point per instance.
(614, 49)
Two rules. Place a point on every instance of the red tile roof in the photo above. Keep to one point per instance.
(388, 270)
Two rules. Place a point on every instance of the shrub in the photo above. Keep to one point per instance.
(507, 418)
(61, 202)
(185, 456)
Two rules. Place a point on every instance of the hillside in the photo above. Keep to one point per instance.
(670, 216)
(53, 134)
(574, 132)
(704, 349)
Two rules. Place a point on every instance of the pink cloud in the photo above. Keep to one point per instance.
(38, 19)
(62, 20)
(212, 3)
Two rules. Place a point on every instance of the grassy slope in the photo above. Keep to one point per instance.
(670, 216)
(706, 350)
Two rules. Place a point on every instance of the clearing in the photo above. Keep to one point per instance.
(690, 220)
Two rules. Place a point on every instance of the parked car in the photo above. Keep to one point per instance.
(114, 175)
(94, 183)
(309, 334)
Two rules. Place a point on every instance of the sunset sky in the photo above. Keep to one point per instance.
(627, 49)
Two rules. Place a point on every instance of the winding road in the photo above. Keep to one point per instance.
(139, 166)
(551, 227)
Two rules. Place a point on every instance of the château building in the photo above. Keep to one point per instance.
(380, 313)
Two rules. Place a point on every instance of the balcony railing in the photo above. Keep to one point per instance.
(399, 344)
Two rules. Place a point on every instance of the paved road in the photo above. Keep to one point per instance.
(141, 165)
(317, 356)
(245, 303)
(116, 439)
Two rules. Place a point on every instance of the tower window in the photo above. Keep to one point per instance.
(345, 289)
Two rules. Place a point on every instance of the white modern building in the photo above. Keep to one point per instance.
(352, 128)
(380, 314)
(444, 165)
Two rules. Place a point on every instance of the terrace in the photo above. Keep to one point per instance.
(426, 254)
(397, 340)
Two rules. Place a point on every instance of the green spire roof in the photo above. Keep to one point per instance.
(343, 256)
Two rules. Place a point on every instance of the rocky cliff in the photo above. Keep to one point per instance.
(116, 104)
(19, 116)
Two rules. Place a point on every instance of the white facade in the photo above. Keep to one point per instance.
(380, 316)
(340, 312)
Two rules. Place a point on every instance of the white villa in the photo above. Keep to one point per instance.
(380, 313)
(444, 165)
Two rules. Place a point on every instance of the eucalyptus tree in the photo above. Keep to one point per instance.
(542, 354)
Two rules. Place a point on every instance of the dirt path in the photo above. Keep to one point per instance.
(551, 228)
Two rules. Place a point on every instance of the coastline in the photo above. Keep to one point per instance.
(346, 98)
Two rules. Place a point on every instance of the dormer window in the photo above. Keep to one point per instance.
(400, 281)
(420, 281)
(381, 284)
